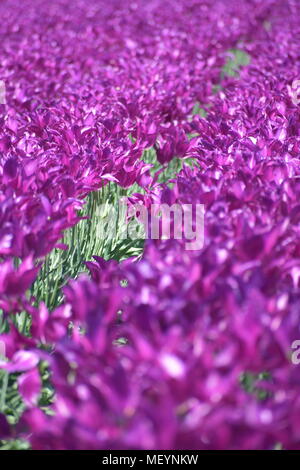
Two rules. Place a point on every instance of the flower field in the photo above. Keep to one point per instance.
(136, 342)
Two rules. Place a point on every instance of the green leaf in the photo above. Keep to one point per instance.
(237, 59)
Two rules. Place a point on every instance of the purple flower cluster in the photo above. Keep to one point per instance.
(154, 354)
